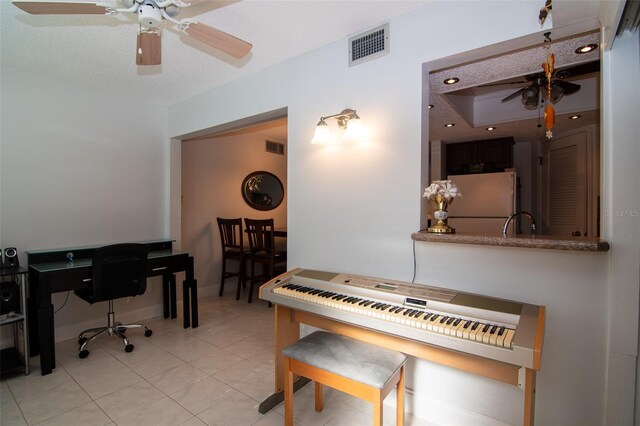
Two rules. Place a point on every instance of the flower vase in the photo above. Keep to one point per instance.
(441, 214)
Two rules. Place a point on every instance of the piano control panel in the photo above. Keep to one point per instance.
(490, 327)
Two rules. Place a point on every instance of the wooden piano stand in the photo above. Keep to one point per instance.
(287, 332)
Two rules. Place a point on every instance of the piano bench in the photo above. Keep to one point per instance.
(360, 369)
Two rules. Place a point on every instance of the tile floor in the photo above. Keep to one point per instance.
(216, 374)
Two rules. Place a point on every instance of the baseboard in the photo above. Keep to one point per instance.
(207, 291)
(432, 412)
(71, 331)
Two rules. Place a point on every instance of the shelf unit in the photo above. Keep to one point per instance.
(12, 359)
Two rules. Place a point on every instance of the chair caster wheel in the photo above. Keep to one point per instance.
(128, 348)
(83, 354)
(81, 340)
(148, 333)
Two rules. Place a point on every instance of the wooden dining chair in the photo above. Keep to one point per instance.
(233, 248)
(263, 251)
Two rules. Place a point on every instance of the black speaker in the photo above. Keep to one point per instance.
(10, 257)
(9, 297)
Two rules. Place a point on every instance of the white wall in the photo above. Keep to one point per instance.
(80, 167)
(212, 174)
(621, 211)
(352, 208)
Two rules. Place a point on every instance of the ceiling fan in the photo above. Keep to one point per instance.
(559, 87)
(150, 13)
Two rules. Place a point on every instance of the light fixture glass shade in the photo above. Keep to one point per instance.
(322, 135)
(557, 93)
(355, 129)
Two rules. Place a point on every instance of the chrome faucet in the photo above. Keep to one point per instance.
(512, 216)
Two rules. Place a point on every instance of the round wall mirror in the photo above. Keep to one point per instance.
(262, 190)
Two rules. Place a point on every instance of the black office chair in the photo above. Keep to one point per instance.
(118, 271)
(264, 251)
(232, 240)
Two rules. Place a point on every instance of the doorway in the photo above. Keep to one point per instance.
(213, 168)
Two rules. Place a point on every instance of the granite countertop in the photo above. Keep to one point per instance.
(552, 242)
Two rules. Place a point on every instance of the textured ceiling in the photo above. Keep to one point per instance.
(100, 50)
(504, 68)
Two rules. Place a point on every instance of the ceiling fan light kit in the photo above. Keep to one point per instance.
(151, 14)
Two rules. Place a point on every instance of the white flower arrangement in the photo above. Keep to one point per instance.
(442, 189)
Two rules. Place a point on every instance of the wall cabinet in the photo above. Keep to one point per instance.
(485, 156)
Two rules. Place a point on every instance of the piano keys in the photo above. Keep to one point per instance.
(464, 328)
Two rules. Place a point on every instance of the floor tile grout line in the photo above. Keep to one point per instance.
(110, 355)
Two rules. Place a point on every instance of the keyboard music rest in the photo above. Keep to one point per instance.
(516, 364)
(49, 272)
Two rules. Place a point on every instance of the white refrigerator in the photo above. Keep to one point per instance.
(487, 200)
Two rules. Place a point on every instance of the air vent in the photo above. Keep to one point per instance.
(275, 147)
(369, 45)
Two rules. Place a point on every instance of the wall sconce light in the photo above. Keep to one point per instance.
(347, 119)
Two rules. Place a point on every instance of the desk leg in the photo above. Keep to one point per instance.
(169, 304)
(194, 303)
(186, 304)
(529, 397)
(173, 298)
(190, 297)
(287, 332)
(33, 312)
(46, 339)
(44, 325)
(165, 295)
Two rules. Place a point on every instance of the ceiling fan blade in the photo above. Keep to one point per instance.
(61, 8)
(504, 83)
(219, 39)
(148, 48)
(582, 69)
(515, 94)
(567, 87)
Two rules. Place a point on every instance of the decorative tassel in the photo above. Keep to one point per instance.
(549, 119)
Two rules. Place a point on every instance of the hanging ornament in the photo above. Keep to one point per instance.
(548, 67)
(546, 9)
(549, 119)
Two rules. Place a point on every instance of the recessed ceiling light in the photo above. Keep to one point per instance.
(451, 80)
(430, 106)
(449, 125)
(586, 49)
(490, 128)
(575, 117)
